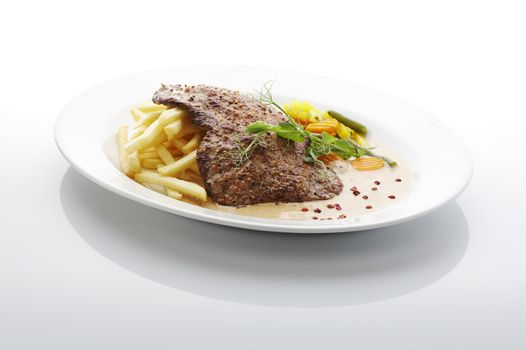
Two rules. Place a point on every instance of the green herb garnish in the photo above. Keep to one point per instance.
(242, 152)
(317, 144)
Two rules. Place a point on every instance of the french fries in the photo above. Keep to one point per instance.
(133, 160)
(146, 155)
(190, 176)
(154, 131)
(173, 128)
(194, 168)
(173, 193)
(185, 187)
(137, 114)
(179, 144)
(164, 154)
(187, 129)
(175, 152)
(159, 151)
(149, 106)
(194, 142)
(151, 163)
(138, 131)
(158, 140)
(178, 166)
(122, 140)
(157, 188)
(149, 118)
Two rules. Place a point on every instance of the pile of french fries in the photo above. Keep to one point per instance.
(160, 151)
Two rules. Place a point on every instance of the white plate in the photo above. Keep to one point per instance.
(440, 165)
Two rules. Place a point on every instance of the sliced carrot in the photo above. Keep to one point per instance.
(324, 159)
(328, 158)
(367, 163)
(327, 125)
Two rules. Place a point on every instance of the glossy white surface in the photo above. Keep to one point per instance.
(439, 163)
(77, 271)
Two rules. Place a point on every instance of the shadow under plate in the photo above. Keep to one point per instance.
(265, 268)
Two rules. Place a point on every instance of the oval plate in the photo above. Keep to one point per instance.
(440, 164)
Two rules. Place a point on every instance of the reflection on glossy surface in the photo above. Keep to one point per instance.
(260, 267)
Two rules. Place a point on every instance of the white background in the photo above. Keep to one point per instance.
(81, 269)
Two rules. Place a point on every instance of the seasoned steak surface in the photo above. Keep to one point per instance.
(275, 171)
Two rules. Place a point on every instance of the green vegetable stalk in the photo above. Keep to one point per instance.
(358, 127)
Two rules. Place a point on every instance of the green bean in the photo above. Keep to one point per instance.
(358, 127)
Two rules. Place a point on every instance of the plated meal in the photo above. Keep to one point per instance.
(309, 155)
(248, 154)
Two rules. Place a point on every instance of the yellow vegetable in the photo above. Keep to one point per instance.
(343, 131)
(325, 115)
(302, 111)
(359, 139)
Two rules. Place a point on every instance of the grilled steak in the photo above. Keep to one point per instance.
(275, 170)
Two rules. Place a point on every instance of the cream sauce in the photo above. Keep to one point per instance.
(352, 204)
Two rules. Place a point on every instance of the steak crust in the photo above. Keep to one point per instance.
(275, 171)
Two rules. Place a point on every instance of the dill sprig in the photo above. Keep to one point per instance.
(265, 97)
(243, 153)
